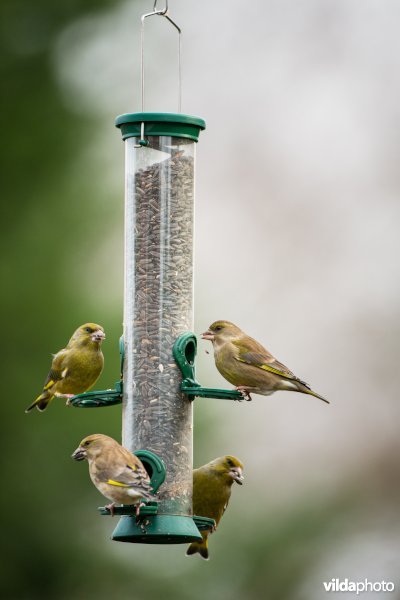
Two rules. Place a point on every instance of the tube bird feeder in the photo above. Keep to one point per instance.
(158, 300)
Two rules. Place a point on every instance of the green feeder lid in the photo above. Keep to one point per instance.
(167, 124)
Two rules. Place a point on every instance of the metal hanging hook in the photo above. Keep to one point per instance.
(161, 13)
(165, 9)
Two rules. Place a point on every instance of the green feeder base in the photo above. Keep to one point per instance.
(157, 529)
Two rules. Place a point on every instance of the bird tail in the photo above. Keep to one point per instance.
(41, 401)
(306, 390)
(200, 547)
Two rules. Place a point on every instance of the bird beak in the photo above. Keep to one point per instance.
(208, 335)
(237, 475)
(98, 336)
(79, 454)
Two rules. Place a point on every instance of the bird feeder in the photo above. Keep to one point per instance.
(157, 348)
(159, 194)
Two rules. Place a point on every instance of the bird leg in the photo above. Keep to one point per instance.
(110, 508)
(68, 402)
(139, 521)
(138, 507)
(67, 397)
(244, 391)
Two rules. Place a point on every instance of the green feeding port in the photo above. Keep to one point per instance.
(184, 351)
(154, 466)
(151, 527)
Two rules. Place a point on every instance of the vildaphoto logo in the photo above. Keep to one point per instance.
(345, 585)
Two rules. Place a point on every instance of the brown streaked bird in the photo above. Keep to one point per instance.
(117, 473)
(74, 369)
(212, 485)
(248, 365)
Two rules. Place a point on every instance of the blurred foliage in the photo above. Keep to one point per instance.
(54, 544)
(44, 215)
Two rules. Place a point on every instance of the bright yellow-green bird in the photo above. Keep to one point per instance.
(212, 485)
(119, 475)
(248, 365)
(76, 368)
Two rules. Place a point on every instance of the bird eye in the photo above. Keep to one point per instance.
(89, 329)
(218, 328)
(86, 443)
(230, 462)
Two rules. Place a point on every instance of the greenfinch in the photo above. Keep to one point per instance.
(74, 369)
(119, 475)
(212, 485)
(248, 365)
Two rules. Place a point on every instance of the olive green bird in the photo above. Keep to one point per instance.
(212, 485)
(74, 369)
(119, 475)
(248, 365)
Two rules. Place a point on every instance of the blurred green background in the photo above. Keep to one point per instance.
(296, 241)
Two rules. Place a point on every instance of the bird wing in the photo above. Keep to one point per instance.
(58, 369)
(126, 473)
(262, 359)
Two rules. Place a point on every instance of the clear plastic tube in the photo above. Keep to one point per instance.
(158, 307)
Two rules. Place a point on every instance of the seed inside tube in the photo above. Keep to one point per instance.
(159, 236)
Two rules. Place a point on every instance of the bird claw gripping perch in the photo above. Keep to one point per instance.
(184, 351)
(244, 393)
